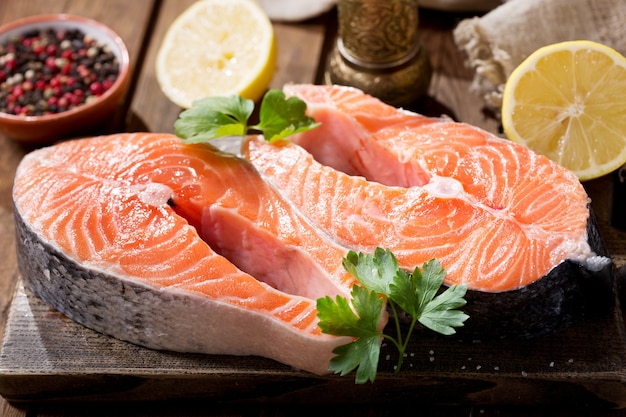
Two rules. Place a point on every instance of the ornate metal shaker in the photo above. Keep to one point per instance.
(378, 50)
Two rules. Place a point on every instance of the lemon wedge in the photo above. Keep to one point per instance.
(567, 101)
(217, 48)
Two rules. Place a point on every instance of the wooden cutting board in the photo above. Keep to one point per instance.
(47, 357)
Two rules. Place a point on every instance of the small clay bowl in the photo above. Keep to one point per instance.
(86, 117)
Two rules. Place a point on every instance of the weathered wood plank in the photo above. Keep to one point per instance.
(150, 109)
(47, 357)
(129, 20)
(299, 52)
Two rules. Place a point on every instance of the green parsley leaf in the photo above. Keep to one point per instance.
(418, 294)
(413, 293)
(336, 317)
(362, 354)
(215, 117)
(376, 272)
(280, 117)
(441, 314)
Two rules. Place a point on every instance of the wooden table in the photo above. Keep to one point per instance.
(302, 49)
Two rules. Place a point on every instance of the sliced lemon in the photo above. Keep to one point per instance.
(217, 48)
(567, 101)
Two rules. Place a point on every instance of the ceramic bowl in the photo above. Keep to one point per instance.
(83, 118)
(295, 10)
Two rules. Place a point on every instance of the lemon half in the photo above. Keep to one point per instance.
(567, 101)
(217, 48)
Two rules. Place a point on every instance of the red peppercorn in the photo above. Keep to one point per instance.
(63, 103)
(108, 83)
(67, 54)
(17, 91)
(82, 70)
(73, 99)
(51, 63)
(95, 88)
(66, 69)
(51, 49)
(10, 64)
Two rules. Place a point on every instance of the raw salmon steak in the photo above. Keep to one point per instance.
(498, 216)
(175, 247)
(495, 214)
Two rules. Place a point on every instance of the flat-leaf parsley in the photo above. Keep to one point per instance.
(215, 117)
(417, 294)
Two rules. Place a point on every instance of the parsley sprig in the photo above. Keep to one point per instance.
(214, 117)
(417, 294)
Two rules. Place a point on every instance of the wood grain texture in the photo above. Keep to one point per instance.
(150, 110)
(48, 357)
(582, 364)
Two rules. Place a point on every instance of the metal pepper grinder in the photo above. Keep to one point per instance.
(378, 50)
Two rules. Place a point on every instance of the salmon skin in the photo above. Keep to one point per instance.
(175, 247)
(499, 217)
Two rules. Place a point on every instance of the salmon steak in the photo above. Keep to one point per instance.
(498, 216)
(175, 247)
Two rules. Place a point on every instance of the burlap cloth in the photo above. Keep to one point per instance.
(500, 40)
